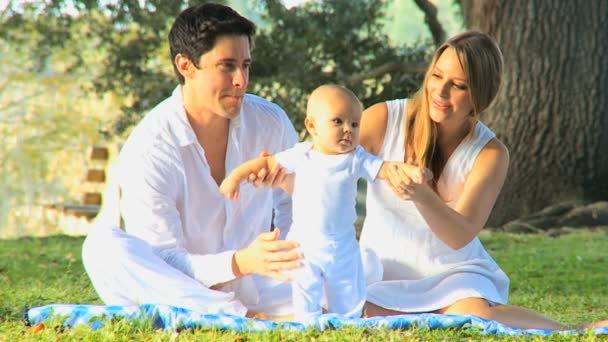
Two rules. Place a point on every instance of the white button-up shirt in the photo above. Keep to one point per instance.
(170, 199)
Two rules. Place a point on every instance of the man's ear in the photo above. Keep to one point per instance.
(309, 123)
(184, 66)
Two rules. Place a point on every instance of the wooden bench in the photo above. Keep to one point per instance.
(93, 187)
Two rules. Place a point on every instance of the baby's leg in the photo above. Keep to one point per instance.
(345, 286)
(275, 298)
(307, 291)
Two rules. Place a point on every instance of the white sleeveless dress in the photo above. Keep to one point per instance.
(420, 273)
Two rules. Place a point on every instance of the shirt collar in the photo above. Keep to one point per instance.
(180, 125)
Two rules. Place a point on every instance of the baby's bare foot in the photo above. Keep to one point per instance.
(256, 315)
(593, 325)
(287, 318)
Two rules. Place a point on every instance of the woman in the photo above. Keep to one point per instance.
(423, 237)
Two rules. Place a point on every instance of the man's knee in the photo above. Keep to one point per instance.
(100, 249)
(90, 248)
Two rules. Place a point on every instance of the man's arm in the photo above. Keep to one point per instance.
(151, 186)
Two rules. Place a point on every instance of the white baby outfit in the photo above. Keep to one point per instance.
(323, 223)
(420, 272)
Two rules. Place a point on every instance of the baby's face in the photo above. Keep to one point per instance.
(336, 125)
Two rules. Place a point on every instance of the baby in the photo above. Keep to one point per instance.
(324, 192)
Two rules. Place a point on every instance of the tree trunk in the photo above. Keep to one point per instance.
(552, 110)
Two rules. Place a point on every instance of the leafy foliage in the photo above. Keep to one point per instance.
(48, 111)
(76, 72)
(404, 20)
(327, 42)
(297, 49)
(129, 34)
(61, 89)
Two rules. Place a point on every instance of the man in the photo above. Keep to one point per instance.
(185, 244)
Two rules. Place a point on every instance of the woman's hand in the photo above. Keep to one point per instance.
(417, 174)
(409, 182)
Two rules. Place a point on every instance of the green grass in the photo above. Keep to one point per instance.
(563, 277)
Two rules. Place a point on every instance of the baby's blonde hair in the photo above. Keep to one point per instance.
(319, 95)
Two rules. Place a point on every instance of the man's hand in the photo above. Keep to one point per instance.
(264, 178)
(267, 256)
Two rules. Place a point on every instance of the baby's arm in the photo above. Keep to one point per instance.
(287, 183)
(230, 185)
(417, 174)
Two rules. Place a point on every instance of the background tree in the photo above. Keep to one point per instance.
(338, 41)
(76, 72)
(48, 113)
(71, 73)
(552, 111)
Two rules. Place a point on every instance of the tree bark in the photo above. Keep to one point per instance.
(430, 17)
(552, 109)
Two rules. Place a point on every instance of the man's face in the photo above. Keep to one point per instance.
(221, 80)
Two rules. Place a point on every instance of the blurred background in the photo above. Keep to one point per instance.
(80, 73)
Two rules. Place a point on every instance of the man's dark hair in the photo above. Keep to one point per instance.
(196, 29)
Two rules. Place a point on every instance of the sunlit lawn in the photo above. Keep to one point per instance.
(563, 277)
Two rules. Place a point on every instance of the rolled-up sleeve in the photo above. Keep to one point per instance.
(209, 269)
(151, 186)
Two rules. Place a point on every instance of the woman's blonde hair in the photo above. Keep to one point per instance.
(482, 63)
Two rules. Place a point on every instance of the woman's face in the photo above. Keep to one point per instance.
(448, 90)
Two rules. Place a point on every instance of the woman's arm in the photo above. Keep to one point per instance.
(373, 127)
(457, 227)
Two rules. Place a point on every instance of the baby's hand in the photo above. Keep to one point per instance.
(230, 188)
(418, 175)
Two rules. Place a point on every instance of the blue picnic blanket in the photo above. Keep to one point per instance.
(175, 318)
